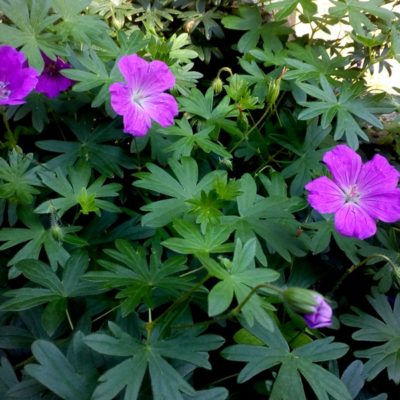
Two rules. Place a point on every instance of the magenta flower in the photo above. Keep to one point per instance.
(141, 99)
(321, 317)
(17, 79)
(51, 82)
(358, 194)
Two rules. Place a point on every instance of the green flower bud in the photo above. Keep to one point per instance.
(217, 85)
(302, 301)
(57, 232)
(274, 88)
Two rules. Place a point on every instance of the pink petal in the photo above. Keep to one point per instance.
(136, 121)
(161, 108)
(377, 176)
(324, 195)
(344, 164)
(120, 98)
(352, 220)
(384, 206)
(160, 77)
(148, 77)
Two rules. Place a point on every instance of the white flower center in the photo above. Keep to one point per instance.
(4, 92)
(352, 194)
(137, 97)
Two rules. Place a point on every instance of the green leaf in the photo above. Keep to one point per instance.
(91, 148)
(208, 115)
(181, 188)
(194, 242)
(190, 140)
(138, 280)
(350, 103)
(37, 237)
(269, 218)
(31, 21)
(385, 329)
(166, 381)
(294, 365)
(18, 180)
(239, 279)
(56, 373)
(77, 191)
(41, 274)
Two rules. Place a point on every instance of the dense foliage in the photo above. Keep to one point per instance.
(156, 238)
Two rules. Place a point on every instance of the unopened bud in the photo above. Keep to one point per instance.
(300, 300)
(57, 233)
(316, 312)
(217, 85)
(274, 88)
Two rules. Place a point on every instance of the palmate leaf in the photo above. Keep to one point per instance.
(306, 63)
(91, 148)
(30, 19)
(295, 365)
(152, 355)
(269, 218)
(193, 241)
(359, 13)
(283, 8)
(84, 28)
(307, 164)
(190, 140)
(202, 107)
(52, 290)
(237, 280)
(17, 179)
(139, 281)
(71, 376)
(78, 191)
(385, 329)
(345, 108)
(249, 19)
(90, 72)
(38, 238)
(181, 188)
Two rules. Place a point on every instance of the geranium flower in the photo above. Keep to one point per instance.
(358, 194)
(17, 79)
(321, 317)
(140, 100)
(51, 82)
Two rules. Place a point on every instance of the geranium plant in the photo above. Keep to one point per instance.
(197, 201)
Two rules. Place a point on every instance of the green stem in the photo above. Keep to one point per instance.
(236, 310)
(180, 300)
(69, 319)
(354, 267)
(247, 133)
(106, 313)
(11, 138)
(239, 307)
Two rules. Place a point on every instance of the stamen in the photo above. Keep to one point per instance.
(4, 92)
(352, 194)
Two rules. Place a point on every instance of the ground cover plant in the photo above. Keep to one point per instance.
(197, 202)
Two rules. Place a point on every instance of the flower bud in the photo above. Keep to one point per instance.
(217, 85)
(274, 88)
(57, 232)
(317, 313)
(321, 316)
(300, 300)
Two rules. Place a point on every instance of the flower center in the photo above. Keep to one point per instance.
(4, 92)
(352, 194)
(137, 97)
(51, 68)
